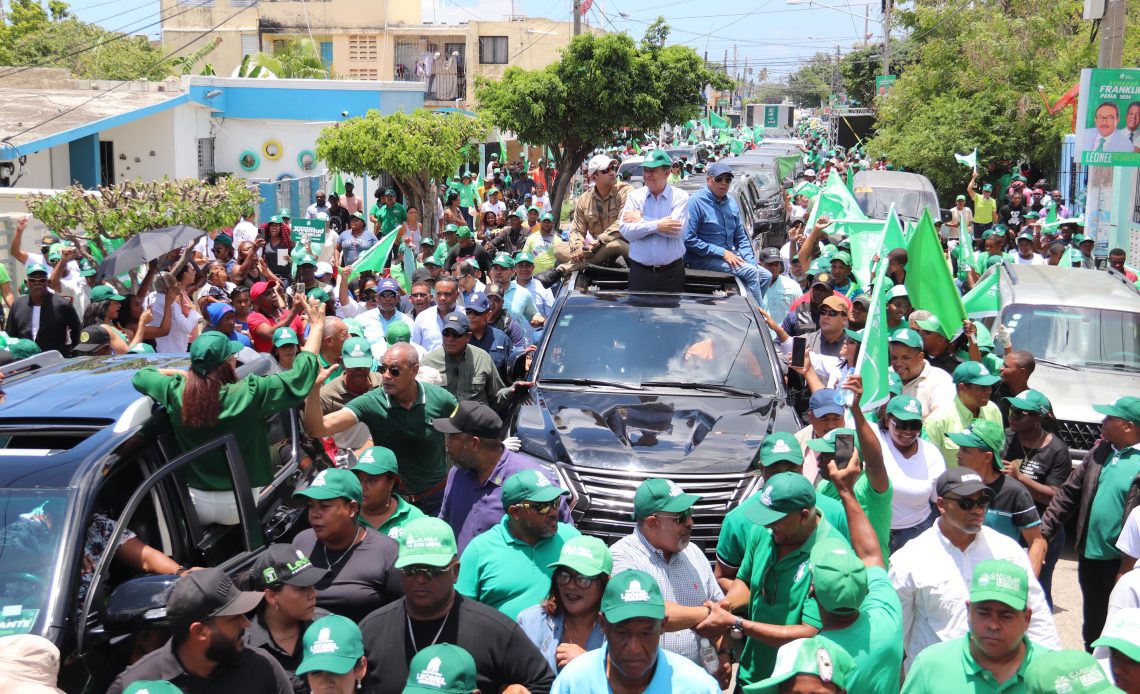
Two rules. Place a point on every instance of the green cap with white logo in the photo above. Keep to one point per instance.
(983, 434)
(1071, 672)
(632, 594)
(906, 336)
(974, 373)
(442, 667)
(781, 446)
(151, 687)
(787, 492)
(999, 580)
(660, 495)
(334, 483)
(332, 644)
(1127, 408)
(818, 656)
(1122, 632)
(504, 260)
(1031, 401)
(826, 443)
(905, 408)
(428, 541)
(285, 336)
(376, 460)
(588, 556)
(356, 353)
(529, 485)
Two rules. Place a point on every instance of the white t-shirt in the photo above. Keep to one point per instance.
(496, 207)
(912, 480)
(176, 341)
(1129, 540)
(1125, 594)
(1035, 259)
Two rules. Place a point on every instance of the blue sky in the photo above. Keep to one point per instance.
(768, 33)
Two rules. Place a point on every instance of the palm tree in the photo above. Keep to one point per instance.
(297, 58)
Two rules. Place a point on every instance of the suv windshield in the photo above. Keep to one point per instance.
(1077, 336)
(633, 168)
(908, 202)
(635, 345)
(31, 524)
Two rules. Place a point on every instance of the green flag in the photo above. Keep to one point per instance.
(833, 200)
(502, 152)
(984, 299)
(870, 238)
(374, 259)
(786, 166)
(758, 133)
(970, 160)
(874, 356)
(337, 184)
(928, 280)
(723, 137)
(736, 147)
(636, 146)
(717, 121)
(746, 135)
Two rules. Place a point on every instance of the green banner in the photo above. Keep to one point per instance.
(771, 116)
(883, 84)
(1108, 117)
(928, 280)
(308, 230)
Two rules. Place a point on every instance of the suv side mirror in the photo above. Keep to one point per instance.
(518, 369)
(138, 603)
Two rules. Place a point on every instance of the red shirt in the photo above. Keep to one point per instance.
(262, 344)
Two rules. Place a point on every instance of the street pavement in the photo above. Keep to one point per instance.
(1067, 601)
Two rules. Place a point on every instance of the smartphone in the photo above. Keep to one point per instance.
(844, 449)
(299, 289)
(799, 348)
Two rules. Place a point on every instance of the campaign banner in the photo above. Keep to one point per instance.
(1108, 117)
(310, 230)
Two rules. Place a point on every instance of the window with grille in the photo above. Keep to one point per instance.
(357, 73)
(493, 50)
(205, 156)
(363, 47)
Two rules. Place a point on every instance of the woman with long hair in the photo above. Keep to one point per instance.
(565, 625)
(452, 214)
(103, 311)
(334, 661)
(278, 245)
(488, 224)
(208, 401)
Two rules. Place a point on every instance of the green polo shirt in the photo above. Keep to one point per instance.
(441, 252)
(778, 594)
(877, 506)
(736, 530)
(390, 217)
(245, 406)
(1106, 515)
(950, 667)
(418, 446)
(335, 372)
(875, 639)
(506, 573)
(394, 526)
(954, 418)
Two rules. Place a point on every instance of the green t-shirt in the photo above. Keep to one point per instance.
(394, 526)
(736, 530)
(876, 505)
(389, 217)
(4, 276)
(468, 195)
(949, 667)
(875, 639)
(245, 405)
(418, 446)
(334, 373)
(778, 594)
(1106, 516)
(441, 252)
(506, 573)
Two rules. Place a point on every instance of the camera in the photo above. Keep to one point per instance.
(344, 114)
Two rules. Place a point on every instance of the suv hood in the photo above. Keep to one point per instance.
(1074, 392)
(653, 430)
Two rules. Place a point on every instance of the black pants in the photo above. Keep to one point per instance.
(1096, 578)
(657, 278)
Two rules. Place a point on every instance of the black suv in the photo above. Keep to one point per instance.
(632, 386)
(78, 442)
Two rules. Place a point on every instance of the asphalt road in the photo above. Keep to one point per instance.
(1067, 601)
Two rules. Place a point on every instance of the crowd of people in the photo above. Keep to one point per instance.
(910, 548)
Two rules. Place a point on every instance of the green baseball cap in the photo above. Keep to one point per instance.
(332, 644)
(23, 348)
(333, 483)
(519, 214)
(1085, 239)
(211, 349)
(33, 268)
(906, 336)
(398, 331)
(1072, 672)
(660, 495)
(533, 208)
(1025, 236)
(931, 324)
(428, 541)
(376, 460)
(839, 576)
(818, 656)
(275, 219)
(999, 580)
(306, 259)
(319, 294)
(974, 373)
(105, 293)
(856, 335)
(427, 241)
(55, 252)
(141, 348)
(987, 188)
(529, 485)
(356, 353)
(894, 383)
(1126, 407)
(285, 336)
(1032, 215)
(1122, 632)
(905, 408)
(983, 434)
(524, 257)
(442, 668)
(843, 257)
(355, 329)
(432, 260)
(782, 494)
(826, 443)
(503, 260)
(587, 556)
(546, 217)
(1031, 401)
(463, 232)
(657, 159)
(285, 212)
(492, 191)
(960, 197)
(632, 594)
(87, 268)
(780, 446)
(389, 191)
(450, 229)
(151, 687)
(224, 239)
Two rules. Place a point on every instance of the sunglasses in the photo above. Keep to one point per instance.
(906, 425)
(419, 295)
(723, 178)
(969, 504)
(565, 578)
(677, 518)
(394, 370)
(1016, 413)
(453, 333)
(830, 313)
(428, 572)
(542, 508)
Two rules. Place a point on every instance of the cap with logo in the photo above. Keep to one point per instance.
(426, 541)
(319, 294)
(780, 446)
(983, 434)
(33, 268)
(839, 576)
(787, 492)
(1126, 408)
(658, 495)
(894, 383)
(1122, 632)
(825, 401)
(524, 257)
(546, 217)
(529, 485)
(718, 169)
(376, 460)
(960, 198)
(1031, 401)
(974, 373)
(332, 644)
(987, 188)
(503, 260)
(334, 483)
(210, 349)
(999, 580)
(285, 336)
(356, 353)
(398, 331)
(283, 564)
(905, 408)
(450, 229)
(823, 279)
(442, 667)
(906, 336)
(826, 443)
(657, 159)
(961, 481)
(206, 593)
(427, 241)
(387, 284)
(92, 339)
(897, 292)
(632, 594)
(586, 556)
(471, 418)
(770, 255)
(456, 322)
(151, 687)
(855, 335)
(843, 257)
(105, 293)
(141, 348)
(818, 656)
(1067, 672)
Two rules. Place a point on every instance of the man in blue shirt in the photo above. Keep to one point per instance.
(632, 661)
(485, 336)
(652, 222)
(715, 238)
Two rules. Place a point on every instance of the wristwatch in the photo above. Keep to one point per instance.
(737, 628)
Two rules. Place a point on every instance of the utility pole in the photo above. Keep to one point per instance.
(1112, 35)
(866, 26)
(1101, 213)
(735, 76)
(886, 37)
(577, 17)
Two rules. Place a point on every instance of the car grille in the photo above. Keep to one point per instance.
(604, 505)
(1078, 436)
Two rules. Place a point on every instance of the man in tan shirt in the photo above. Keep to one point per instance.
(598, 212)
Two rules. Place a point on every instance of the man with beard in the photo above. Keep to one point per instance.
(472, 500)
(509, 566)
(206, 653)
(48, 319)
(660, 546)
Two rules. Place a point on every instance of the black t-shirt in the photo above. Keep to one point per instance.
(1049, 465)
(502, 652)
(251, 671)
(1013, 216)
(945, 361)
(338, 219)
(482, 258)
(359, 583)
(1012, 509)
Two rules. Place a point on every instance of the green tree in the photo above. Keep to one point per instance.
(600, 85)
(419, 150)
(860, 67)
(810, 85)
(296, 59)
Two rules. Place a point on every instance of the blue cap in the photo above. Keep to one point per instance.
(216, 311)
(826, 401)
(717, 169)
(478, 302)
(387, 285)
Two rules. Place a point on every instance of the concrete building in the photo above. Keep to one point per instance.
(444, 47)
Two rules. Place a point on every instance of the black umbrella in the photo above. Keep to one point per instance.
(146, 246)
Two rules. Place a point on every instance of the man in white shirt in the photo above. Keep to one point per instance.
(428, 329)
(319, 207)
(375, 321)
(245, 229)
(928, 384)
(1104, 137)
(494, 203)
(1025, 253)
(932, 572)
(784, 290)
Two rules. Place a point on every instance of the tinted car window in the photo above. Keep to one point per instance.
(1079, 336)
(31, 526)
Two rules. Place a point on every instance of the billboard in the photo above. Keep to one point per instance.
(1108, 117)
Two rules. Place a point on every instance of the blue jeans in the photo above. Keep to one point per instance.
(1050, 563)
(756, 279)
(904, 535)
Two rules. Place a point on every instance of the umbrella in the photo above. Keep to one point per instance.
(145, 246)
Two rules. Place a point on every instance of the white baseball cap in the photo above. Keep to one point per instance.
(599, 162)
(323, 269)
(810, 172)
